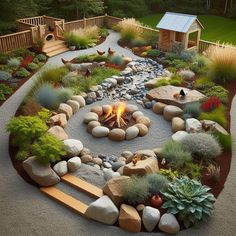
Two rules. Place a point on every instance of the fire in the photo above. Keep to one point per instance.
(120, 110)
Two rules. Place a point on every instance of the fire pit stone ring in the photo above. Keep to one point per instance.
(118, 121)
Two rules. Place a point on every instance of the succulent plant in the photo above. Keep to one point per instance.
(4, 76)
(13, 62)
(188, 199)
(116, 59)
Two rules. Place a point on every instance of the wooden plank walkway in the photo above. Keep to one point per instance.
(82, 185)
(65, 199)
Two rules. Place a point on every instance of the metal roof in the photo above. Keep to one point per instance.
(177, 22)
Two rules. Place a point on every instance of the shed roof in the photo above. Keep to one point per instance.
(177, 22)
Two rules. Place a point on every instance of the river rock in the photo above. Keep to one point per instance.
(166, 94)
(41, 174)
(73, 147)
(129, 219)
(158, 108)
(106, 108)
(61, 168)
(86, 158)
(177, 124)
(172, 111)
(117, 135)
(100, 131)
(59, 119)
(103, 210)
(126, 154)
(142, 167)
(214, 126)
(131, 133)
(136, 114)
(91, 125)
(58, 132)
(74, 105)
(143, 120)
(66, 109)
(114, 189)
(131, 108)
(74, 164)
(143, 129)
(146, 153)
(179, 135)
(90, 116)
(97, 161)
(169, 224)
(79, 99)
(97, 109)
(150, 217)
(85, 151)
(193, 125)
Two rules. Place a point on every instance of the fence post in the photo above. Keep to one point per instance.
(84, 21)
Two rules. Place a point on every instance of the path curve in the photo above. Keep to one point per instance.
(27, 212)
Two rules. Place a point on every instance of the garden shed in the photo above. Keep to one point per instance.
(176, 29)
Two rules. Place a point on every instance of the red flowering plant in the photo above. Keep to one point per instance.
(28, 59)
(211, 104)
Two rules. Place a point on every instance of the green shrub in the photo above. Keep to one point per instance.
(90, 58)
(187, 56)
(193, 108)
(103, 32)
(47, 96)
(218, 91)
(169, 174)
(224, 140)
(186, 75)
(200, 65)
(136, 191)
(41, 57)
(217, 115)
(5, 90)
(4, 76)
(138, 42)
(175, 154)
(48, 149)
(13, 63)
(171, 56)
(153, 53)
(178, 64)
(204, 83)
(176, 80)
(3, 58)
(203, 145)
(192, 170)
(22, 73)
(64, 94)
(116, 59)
(189, 200)
(157, 183)
(32, 66)
(44, 115)
(21, 52)
(162, 82)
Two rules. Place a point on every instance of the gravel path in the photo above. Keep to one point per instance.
(27, 212)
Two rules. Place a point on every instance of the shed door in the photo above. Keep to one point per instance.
(166, 40)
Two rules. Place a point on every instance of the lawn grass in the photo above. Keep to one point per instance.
(217, 28)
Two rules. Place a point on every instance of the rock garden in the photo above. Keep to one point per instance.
(152, 133)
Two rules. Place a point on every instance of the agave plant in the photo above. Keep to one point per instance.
(188, 198)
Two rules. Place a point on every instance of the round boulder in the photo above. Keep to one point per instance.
(143, 120)
(79, 99)
(74, 164)
(100, 131)
(74, 105)
(91, 125)
(117, 135)
(172, 111)
(169, 224)
(61, 168)
(73, 147)
(90, 116)
(158, 107)
(177, 124)
(143, 129)
(151, 217)
(131, 133)
(97, 109)
(136, 114)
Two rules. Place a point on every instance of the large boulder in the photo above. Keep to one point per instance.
(100, 131)
(150, 217)
(74, 105)
(113, 189)
(158, 107)
(131, 133)
(179, 135)
(169, 224)
(146, 153)
(61, 168)
(193, 125)
(103, 210)
(73, 147)
(117, 134)
(41, 174)
(143, 129)
(177, 124)
(129, 219)
(79, 99)
(58, 132)
(74, 164)
(90, 116)
(59, 119)
(66, 109)
(172, 111)
(142, 167)
(166, 94)
(214, 126)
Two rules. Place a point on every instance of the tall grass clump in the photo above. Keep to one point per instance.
(222, 63)
(130, 29)
(83, 37)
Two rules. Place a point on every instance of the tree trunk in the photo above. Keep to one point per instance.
(226, 6)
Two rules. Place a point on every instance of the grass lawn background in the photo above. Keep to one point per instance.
(217, 28)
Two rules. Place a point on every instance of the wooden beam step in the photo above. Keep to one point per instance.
(82, 185)
(56, 52)
(65, 199)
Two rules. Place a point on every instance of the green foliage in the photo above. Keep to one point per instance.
(13, 63)
(4, 76)
(64, 94)
(204, 83)
(90, 58)
(219, 92)
(186, 75)
(44, 114)
(176, 80)
(200, 65)
(193, 108)
(116, 59)
(22, 73)
(217, 115)
(224, 140)
(203, 145)
(48, 149)
(189, 200)
(103, 32)
(175, 154)
(5, 90)
(177, 63)
(162, 82)
(136, 191)
(138, 42)
(32, 66)
(187, 56)
(153, 53)
(169, 174)
(192, 170)
(157, 183)
(41, 57)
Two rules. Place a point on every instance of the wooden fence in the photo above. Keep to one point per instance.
(31, 29)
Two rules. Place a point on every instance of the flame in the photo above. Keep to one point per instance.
(120, 110)
(109, 112)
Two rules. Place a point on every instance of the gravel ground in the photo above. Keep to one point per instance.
(27, 212)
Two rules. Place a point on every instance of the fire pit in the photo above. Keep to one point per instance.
(119, 121)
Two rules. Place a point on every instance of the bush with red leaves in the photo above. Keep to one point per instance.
(211, 104)
(28, 59)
